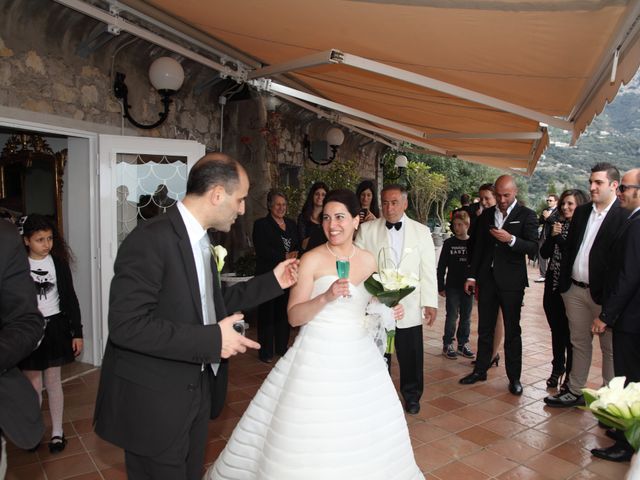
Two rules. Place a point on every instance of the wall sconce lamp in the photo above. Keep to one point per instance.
(166, 75)
(313, 150)
(400, 164)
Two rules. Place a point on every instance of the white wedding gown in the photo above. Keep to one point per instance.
(327, 410)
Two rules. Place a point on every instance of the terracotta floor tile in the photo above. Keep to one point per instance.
(537, 439)
(489, 462)
(446, 403)
(525, 417)
(450, 422)
(586, 475)
(213, 450)
(117, 472)
(32, 471)
(428, 411)
(474, 414)
(553, 467)
(107, 457)
(456, 446)
(503, 426)
(469, 396)
(496, 406)
(92, 441)
(86, 476)
(609, 470)
(69, 466)
(459, 470)
(480, 435)
(558, 429)
(514, 450)
(572, 452)
(429, 458)
(74, 446)
(426, 432)
(19, 458)
(522, 473)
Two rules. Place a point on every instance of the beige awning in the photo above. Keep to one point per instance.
(479, 80)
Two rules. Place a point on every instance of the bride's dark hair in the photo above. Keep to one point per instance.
(345, 197)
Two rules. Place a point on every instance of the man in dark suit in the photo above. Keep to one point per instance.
(621, 303)
(164, 372)
(505, 234)
(21, 328)
(593, 228)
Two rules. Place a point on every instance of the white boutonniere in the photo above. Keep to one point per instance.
(219, 253)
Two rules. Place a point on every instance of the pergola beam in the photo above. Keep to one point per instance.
(322, 58)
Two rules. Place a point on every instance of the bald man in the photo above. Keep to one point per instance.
(164, 372)
(505, 235)
(621, 302)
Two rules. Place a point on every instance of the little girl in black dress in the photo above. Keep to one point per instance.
(49, 258)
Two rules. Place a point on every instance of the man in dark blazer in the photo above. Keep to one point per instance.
(21, 328)
(593, 228)
(505, 235)
(164, 372)
(621, 303)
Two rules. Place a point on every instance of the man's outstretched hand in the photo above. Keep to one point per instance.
(232, 342)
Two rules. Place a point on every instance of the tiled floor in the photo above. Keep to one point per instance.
(471, 432)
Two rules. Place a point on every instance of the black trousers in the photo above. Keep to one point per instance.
(273, 327)
(184, 459)
(559, 325)
(410, 354)
(490, 299)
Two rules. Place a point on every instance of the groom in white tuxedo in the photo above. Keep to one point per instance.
(411, 248)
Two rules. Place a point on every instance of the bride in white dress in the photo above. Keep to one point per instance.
(328, 409)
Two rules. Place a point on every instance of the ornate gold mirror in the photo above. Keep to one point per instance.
(31, 177)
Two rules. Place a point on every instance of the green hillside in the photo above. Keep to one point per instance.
(614, 136)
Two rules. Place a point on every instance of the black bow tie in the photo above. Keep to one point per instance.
(396, 225)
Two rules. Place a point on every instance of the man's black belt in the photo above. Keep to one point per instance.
(579, 284)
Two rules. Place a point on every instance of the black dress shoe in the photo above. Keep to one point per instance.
(412, 408)
(515, 387)
(473, 378)
(615, 453)
(57, 444)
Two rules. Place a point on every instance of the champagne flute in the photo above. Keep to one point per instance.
(342, 266)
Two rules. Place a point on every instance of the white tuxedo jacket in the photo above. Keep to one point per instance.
(418, 258)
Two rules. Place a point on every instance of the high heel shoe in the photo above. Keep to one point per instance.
(494, 361)
(554, 379)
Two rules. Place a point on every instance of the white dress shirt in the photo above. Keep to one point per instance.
(396, 241)
(196, 232)
(498, 219)
(580, 271)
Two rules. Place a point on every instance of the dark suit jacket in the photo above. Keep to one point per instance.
(21, 328)
(157, 341)
(267, 240)
(600, 251)
(509, 263)
(621, 299)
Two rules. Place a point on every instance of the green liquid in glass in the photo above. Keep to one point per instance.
(343, 268)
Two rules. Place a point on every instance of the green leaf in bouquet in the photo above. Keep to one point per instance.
(391, 298)
(373, 286)
(608, 419)
(632, 434)
(589, 397)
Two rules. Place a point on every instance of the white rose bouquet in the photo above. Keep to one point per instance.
(389, 286)
(618, 407)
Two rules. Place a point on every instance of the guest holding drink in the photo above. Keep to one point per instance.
(275, 238)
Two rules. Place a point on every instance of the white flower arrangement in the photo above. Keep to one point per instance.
(219, 253)
(618, 407)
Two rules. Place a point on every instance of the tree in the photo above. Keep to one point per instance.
(426, 190)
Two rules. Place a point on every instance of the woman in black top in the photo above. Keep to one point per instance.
(366, 193)
(552, 302)
(309, 222)
(275, 239)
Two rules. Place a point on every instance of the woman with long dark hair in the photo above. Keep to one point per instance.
(552, 248)
(309, 221)
(368, 197)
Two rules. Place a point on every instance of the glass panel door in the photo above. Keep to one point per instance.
(139, 178)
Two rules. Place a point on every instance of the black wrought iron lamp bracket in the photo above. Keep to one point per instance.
(121, 92)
